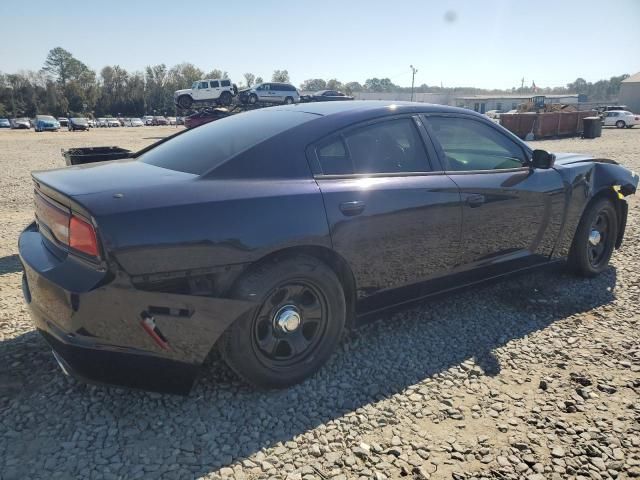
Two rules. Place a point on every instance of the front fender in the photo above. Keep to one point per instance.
(584, 180)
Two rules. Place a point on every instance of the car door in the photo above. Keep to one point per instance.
(510, 211)
(276, 95)
(610, 119)
(263, 92)
(214, 89)
(202, 92)
(394, 216)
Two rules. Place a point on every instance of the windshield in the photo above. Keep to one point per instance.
(208, 146)
(48, 118)
(79, 120)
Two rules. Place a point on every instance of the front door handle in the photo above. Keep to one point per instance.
(351, 209)
(475, 200)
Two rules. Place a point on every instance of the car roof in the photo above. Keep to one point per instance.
(373, 106)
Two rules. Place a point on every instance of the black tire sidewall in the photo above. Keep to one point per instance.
(620, 124)
(182, 102)
(237, 345)
(579, 257)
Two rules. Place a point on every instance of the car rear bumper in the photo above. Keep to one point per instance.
(105, 330)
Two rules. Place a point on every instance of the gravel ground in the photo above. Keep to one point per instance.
(535, 377)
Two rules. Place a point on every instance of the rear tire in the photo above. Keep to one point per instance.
(226, 98)
(595, 239)
(253, 99)
(620, 124)
(185, 102)
(296, 326)
(288, 100)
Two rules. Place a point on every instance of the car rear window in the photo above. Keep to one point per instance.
(200, 150)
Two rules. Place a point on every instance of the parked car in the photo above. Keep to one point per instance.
(172, 120)
(4, 123)
(63, 121)
(220, 91)
(46, 123)
(268, 232)
(326, 96)
(101, 122)
(159, 120)
(91, 122)
(180, 120)
(620, 118)
(112, 122)
(133, 122)
(205, 116)
(271, 92)
(148, 119)
(78, 123)
(20, 123)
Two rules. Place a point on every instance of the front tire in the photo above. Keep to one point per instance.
(288, 100)
(296, 326)
(185, 102)
(595, 239)
(253, 99)
(620, 124)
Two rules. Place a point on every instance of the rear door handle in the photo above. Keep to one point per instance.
(475, 200)
(351, 209)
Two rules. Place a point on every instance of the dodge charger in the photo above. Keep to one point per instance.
(267, 234)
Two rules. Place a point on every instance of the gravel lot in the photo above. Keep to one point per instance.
(535, 377)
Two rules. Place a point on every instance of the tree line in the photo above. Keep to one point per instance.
(66, 86)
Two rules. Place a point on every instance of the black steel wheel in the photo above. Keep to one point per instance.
(296, 324)
(290, 323)
(595, 238)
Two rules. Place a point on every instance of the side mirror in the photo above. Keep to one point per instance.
(542, 159)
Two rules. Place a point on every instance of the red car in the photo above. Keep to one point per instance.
(205, 116)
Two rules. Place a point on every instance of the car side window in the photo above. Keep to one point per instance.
(215, 84)
(472, 145)
(225, 83)
(393, 146)
(204, 85)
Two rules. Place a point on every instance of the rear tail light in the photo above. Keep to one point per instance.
(66, 228)
(82, 236)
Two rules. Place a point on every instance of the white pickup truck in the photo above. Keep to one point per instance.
(220, 91)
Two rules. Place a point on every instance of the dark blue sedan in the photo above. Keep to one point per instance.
(268, 233)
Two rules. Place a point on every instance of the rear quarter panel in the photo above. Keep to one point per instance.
(208, 223)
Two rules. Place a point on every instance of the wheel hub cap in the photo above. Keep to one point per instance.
(287, 319)
(595, 237)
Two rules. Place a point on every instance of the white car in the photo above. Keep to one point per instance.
(620, 119)
(133, 122)
(113, 122)
(147, 119)
(101, 122)
(220, 91)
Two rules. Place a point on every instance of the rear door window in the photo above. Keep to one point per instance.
(203, 85)
(225, 83)
(215, 84)
(392, 146)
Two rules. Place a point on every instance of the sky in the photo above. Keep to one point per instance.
(481, 43)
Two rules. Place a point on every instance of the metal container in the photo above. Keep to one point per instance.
(82, 155)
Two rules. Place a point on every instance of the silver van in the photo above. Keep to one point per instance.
(271, 92)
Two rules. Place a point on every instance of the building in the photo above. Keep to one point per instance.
(630, 93)
(504, 103)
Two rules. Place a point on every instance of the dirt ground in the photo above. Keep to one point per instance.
(536, 377)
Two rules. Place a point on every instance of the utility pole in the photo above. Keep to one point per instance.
(522, 84)
(413, 77)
